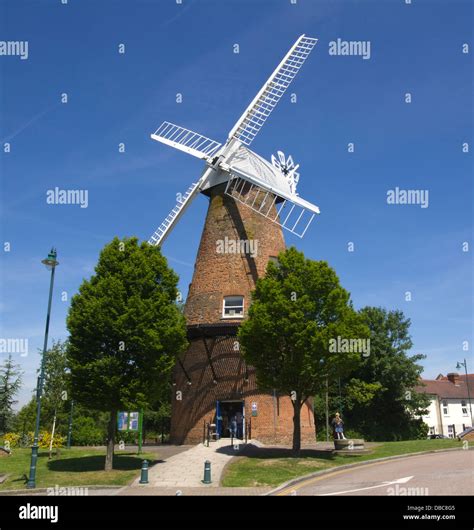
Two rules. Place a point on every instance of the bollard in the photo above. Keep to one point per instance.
(207, 473)
(144, 473)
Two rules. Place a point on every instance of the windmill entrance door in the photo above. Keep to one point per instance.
(230, 416)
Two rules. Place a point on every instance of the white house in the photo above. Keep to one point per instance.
(449, 412)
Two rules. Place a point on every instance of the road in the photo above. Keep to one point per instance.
(444, 473)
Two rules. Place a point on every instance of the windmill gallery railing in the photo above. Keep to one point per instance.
(283, 212)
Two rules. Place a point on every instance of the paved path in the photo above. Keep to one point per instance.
(160, 451)
(186, 469)
(444, 473)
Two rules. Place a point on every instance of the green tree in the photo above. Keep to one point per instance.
(89, 427)
(10, 384)
(391, 412)
(297, 309)
(156, 421)
(56, 381)
(125, 331)
(26, 417)
(359, 393)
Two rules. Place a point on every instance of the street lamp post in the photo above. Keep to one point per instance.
(458, 366)
(51, 264)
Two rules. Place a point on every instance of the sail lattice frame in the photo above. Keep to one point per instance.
(190, 142)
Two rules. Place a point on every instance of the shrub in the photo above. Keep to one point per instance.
(11, 440)
(419, 430)
(127, 437)
(44, 440)
(350, 433)
(86, 432)
(25, 440)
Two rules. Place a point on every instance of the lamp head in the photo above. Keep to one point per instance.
(51, 261)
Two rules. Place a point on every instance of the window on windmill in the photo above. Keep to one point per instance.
(273, 259)
(233, 307)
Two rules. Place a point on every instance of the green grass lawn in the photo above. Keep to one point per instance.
(73, 467)
(84, 467)
(274, 467)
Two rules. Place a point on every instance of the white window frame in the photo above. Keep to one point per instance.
(445, 408)
(224, 307)
(464, 407)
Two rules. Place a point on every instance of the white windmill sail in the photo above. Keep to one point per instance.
(185, 140)
(272, 187)
(160, 234)
(256, 114)
(194, 144)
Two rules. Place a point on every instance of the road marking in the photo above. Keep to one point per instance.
(399, 481)
(298, 486)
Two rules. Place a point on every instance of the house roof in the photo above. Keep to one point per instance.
(444, 388)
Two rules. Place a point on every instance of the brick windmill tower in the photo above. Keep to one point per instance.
(250, 201)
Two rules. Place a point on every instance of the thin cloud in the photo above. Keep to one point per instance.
(29, 122)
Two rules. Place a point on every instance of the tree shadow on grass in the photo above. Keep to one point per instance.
(122, 462)
(253, 451)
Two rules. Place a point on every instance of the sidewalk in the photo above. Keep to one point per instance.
(186, 469)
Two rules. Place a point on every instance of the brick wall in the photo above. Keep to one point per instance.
(222, 274)
(226, 377)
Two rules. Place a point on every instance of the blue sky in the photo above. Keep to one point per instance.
(188, 49)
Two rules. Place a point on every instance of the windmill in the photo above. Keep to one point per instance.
(250, 200)
(249, 178)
